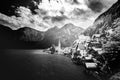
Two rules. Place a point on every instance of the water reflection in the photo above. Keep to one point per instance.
(35, 65)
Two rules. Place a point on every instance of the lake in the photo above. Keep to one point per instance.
(38, 65)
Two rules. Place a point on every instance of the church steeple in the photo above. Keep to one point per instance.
(59, 47)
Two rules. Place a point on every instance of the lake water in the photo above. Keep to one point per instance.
(37, 65)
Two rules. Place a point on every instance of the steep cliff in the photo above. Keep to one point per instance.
(108, 22)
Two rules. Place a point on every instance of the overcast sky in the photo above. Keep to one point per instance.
(44, 14)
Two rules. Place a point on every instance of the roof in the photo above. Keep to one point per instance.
(96, 35)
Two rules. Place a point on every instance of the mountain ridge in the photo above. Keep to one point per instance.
(105, 21)
(28, 37)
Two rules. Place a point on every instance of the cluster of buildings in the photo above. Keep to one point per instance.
(96, 42)
(82, 44)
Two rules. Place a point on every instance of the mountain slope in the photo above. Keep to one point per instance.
(106, 21)
(67, 34)
(31, 38)
(21, 38)
(29, 34)
(8, 38)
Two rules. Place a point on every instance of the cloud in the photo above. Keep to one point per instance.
(108, 3)
(72, 2)
(79, 12)
(58, 18)
(40, 12)
(99, 5)
(75, 2)
(45, 14)
(95, 5)
(25, 19)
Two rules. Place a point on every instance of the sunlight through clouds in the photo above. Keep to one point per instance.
(50, 13)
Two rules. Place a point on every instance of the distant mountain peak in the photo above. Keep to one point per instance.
(71, 26)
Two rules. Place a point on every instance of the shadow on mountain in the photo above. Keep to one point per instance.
(28, 38)
(20, 39)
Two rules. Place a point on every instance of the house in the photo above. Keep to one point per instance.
(96, 37)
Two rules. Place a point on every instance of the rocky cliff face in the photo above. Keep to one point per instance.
(109, 21)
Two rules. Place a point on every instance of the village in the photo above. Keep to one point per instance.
(94, 53)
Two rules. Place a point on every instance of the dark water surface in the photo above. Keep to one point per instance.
(35, 65)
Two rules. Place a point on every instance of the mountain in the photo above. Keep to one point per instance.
(6, 37)
(29, 34)
(67, 34)
(30, 38)
(106, 22)
(21, 38)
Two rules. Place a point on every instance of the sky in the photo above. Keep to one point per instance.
(45, 14)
